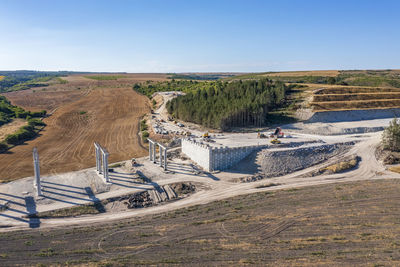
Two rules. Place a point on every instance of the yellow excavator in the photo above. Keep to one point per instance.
(275, 141)
(206, 135)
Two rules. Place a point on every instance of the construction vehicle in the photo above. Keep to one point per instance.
(275, 141)
(278, 133)
(261, 135)
(206, 135)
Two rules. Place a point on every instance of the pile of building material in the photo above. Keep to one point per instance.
(277, 163)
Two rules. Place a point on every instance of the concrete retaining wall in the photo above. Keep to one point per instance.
(197, 152)
(212, 158)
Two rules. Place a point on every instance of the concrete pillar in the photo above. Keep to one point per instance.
(98, 157)
(150, 151)
(105, 166)
(154, 153)
(165, 159)
(160, 148)
(37, 171)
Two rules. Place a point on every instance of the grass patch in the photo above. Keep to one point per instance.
(267, 185)
(104, 77)
(82, 112)
(318, 253)
(342, 166)
(115, 165)
(60, 80)
(47, 253)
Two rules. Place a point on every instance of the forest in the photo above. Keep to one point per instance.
(224, 105)
(149, 88)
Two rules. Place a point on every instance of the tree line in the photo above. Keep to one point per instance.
(230, 104)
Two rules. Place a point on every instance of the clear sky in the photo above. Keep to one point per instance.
(199, 36)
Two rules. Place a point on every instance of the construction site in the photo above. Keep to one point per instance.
(185, 165)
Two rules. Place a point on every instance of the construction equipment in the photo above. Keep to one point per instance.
(278, 133)
(206, 135)
(275, 141)
(261, 135)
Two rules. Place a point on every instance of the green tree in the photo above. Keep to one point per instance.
(391, 136)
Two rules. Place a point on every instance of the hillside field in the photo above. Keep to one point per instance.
(83, 111)
(327, 225)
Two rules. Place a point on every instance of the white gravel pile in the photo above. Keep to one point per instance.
(277, 163)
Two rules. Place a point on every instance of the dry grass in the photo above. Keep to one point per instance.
(355, 90)
(354, 105)
(355, 97)
(11, 127)
(334, 97)
(341, 166)
(330, 73)
(395, 169)
(342, 224)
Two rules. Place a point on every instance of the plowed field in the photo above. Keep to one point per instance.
(84, 111)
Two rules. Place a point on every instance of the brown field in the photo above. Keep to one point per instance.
(84, 111)
(330, 73)
(345, 224)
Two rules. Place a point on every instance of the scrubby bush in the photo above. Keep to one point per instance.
(145, 135)
(24, 133)
(38, 114)
(143, 125)
(36, 122)
(391, 136)
(3, 147)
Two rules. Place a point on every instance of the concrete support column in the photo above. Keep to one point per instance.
(105, 166)
(37, 172)
(154, 153)
(165, 159)
(98, 157)
(150, 151)
(160, 148)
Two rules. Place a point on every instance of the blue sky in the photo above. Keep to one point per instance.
(199, 36)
